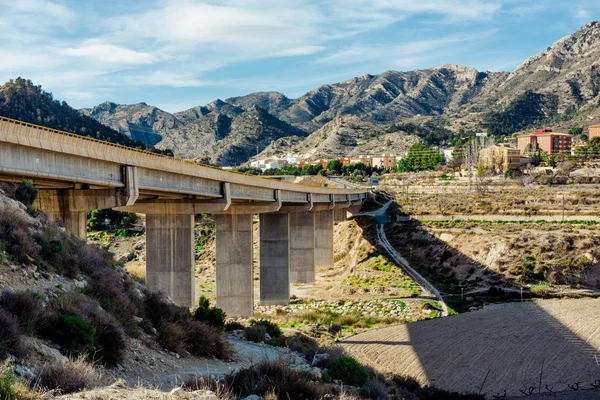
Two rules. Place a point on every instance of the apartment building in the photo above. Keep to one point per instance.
(500, 158)
(548, 141)
(594, 131)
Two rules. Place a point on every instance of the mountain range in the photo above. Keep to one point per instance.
(557, 87)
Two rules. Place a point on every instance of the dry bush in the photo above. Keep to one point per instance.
(203, 383)
(255, 333)
(172, 337)
(302, 344)
(204, 341)
(15, 237)
(70, 376)
(110, 341)
(273, 378)
(27, 309)
(137, 270)
(106, 286)
(11, 340)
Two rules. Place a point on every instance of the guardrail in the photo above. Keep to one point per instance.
(43, 137)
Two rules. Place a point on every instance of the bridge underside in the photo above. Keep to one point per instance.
(76, 175)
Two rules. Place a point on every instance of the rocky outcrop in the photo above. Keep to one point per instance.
(140, 121)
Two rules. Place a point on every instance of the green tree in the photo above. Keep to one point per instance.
(335, 167)
(419, 158)
(577, 130)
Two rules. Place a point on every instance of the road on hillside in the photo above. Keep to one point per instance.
(512, 347)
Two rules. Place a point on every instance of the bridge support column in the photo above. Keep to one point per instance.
(170, 257)
(339, 214)
(235, 283)
(76, 222)
(274, 259)
(324, 239)
(302, 247)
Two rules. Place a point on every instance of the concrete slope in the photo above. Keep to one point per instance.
(518, 345)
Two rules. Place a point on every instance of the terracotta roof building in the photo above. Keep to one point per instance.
(548, 141)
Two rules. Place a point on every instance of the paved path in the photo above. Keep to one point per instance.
(403, 263)
(507, 342)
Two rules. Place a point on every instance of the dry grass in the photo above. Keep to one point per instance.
(137, 270)
(70, 376)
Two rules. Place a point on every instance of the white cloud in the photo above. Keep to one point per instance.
(583, 15)
(403, 55)
(165, 78)
(108, 53)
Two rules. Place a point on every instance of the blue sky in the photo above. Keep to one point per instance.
(177, 54)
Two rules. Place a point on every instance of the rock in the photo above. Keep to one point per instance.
(49, 353)
(24, 372)
(203, 395)
(81, 284)
(469, 298)
(251, 397)
(137, 293)
(48, 395)
(268, 338)
(178, 393)
(12, 359)
(319, 357)
(473, 308)
(317, 374)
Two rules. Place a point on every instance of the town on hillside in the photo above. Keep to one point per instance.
(511, 152)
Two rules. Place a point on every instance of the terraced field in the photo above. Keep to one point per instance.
(511, 347)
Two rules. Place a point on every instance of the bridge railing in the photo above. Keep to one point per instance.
(27, 134)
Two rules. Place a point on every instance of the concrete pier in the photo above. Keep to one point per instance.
(324, 239)
(274, 259)
(75, 222)
(302, 247)
(235, 284)
(170, 257)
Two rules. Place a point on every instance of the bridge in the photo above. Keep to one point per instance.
(76, 174)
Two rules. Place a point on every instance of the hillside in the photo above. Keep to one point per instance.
(559, 87)
(139, 122)
(227, 135)
(22, 100)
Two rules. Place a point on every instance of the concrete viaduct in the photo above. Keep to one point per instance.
(76, 174)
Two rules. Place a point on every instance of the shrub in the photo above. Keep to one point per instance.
(14, 233)
(10, 335)
(26, 308)
(234, 326)
(74, 334)
(271, 328)
(110, 340)
(204, 341)
(99, 219)
(255, 333)
(160, 309)
(26, 193)
(349, 371)
(12, 388)
(106, 286)
(211, 315)
(172, 337)
(70, 376)
(273, 378)
(302, 344)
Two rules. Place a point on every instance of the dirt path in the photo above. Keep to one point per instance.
(401, 261)
(508, 343)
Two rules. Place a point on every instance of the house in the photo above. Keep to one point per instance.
(386, 161)
(548, 141)
(594, 131)
(500, 157)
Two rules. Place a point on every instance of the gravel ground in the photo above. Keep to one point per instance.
(508, 343)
